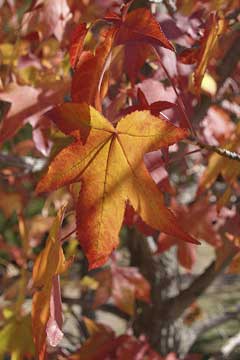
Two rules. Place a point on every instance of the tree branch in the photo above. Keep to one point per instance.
(231, 155)
(27, 163)
(141, 255)
(218, 320)
(112, 309)
(174, 307)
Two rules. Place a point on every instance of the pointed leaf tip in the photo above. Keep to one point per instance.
(111, 170)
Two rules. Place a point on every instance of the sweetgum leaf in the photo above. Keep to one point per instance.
(139, 32)
(139, 25)
(109, 162)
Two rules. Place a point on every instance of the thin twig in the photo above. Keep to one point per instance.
(179, 98)
(218, 320)
(230, 345)
(181, 156)
(231, 155)
(112, 309)
(68, 235)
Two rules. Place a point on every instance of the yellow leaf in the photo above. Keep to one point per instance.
(209, 85)
(89, 283)
(215, 27)
(50, 262)
(6, 53)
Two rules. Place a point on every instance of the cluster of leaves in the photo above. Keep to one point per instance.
(98, 115)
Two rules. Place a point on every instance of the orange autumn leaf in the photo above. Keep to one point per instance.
(88, 78)
(188, 7)
(215, 27)
(194, 314)
(136, 31)
(10, 202)
(50, 262)
(109, 162)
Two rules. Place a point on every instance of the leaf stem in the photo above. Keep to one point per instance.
(232, 155)
(180, 157)
(179, 98)
(67, 236)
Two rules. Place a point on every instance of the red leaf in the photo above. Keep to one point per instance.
(135, 55)
(141, 25)
(99, 345)
(128, 285)
(104, 290)
(28, 108)
(132, 218)
(138, 30)
(155, 107)
(21, 108)
(187, 255)
(155, 91)
(207, 229)
(124, 284)
(76, 48)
